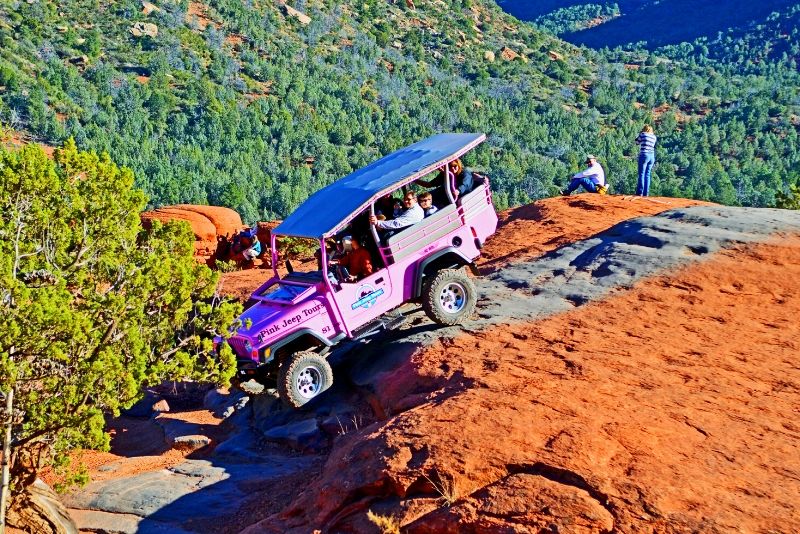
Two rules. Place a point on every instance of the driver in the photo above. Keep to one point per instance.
(356, 263)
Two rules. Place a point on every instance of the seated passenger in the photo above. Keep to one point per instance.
(355, 264)
(464, 182)
(397, 209)
(412, 214)
(426, 203)
(385, 206)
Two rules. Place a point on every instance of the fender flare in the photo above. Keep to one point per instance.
(297, 334)
(430, 259)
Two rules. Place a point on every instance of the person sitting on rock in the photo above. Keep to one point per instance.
(355, 264)
(250, 244)
(592, 179)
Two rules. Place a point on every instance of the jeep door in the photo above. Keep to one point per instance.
(366, 299)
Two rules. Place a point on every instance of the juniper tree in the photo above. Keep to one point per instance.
(92, 308)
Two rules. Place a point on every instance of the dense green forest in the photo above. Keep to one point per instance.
(243, 104)
(576, 18)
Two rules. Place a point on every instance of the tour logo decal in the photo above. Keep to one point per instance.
(367, 295)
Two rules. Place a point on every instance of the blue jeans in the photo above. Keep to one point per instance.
(646, 162)
(587, 184)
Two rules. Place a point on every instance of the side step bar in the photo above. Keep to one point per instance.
(388, 321)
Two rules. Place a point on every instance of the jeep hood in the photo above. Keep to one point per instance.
(260, 316)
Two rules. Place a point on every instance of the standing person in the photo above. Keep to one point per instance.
(647, 158)
(592, 179)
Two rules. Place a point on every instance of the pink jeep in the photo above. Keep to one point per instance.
(293, 322)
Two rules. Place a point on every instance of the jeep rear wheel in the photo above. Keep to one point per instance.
(449, 296)
(302, 376)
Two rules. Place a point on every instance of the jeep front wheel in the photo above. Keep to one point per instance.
(302, 376)
(449, 296)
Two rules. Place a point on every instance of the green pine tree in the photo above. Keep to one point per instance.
(92, 308)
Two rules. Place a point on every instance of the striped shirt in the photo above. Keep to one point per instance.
(646, 142)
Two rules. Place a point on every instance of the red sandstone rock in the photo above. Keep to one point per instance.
(679, 417)
(205, 232)
(225, 220)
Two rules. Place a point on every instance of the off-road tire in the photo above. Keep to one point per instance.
(449, 297)
(302, 376)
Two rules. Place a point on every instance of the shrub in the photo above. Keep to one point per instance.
(92, 307)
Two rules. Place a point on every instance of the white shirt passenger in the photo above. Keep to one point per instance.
(595, 173)
(412, 215)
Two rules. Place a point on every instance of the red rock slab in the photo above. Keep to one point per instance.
(202, 227)
(673, 406)
(204, 230)
(518, 503)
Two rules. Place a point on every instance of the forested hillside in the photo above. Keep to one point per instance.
(252, 105)
(654, 23)
(765, 47)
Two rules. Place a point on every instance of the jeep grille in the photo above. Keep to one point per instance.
(238, 346)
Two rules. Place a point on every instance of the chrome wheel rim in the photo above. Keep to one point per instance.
(453, 297)
(308, 382)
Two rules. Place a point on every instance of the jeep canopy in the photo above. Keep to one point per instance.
(328, 210)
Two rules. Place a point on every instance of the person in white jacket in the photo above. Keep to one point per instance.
(592, 179)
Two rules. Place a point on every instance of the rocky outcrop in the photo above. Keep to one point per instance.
(144, 29)
(508, 54)
(519, 501)
(637, 377)
(207, 222)
(196, 494)
(301, 17)
(148, 8)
